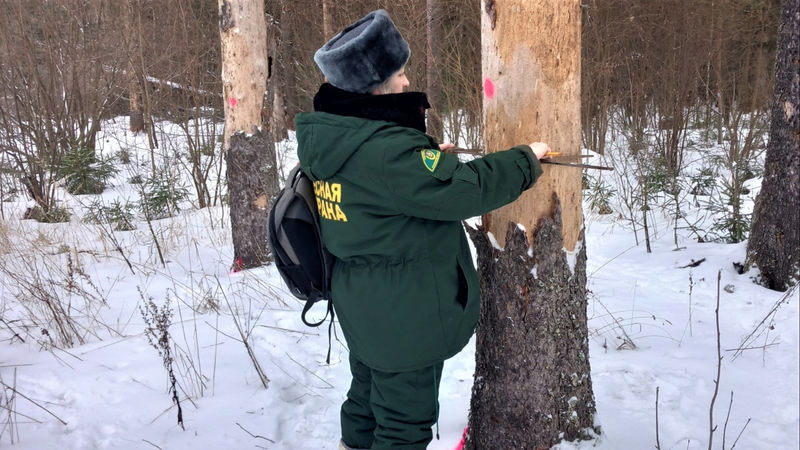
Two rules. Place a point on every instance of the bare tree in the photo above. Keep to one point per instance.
(59, 80)
(250, 150)
(434, 66)
(774, 245)
(532, 380)
(327, 19)
(132, 39)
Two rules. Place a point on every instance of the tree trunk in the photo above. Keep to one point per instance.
(132, 31)
(327, 19)
(532, 381)
(774, 245)
(531, 74)
(251, 167)
(433, 69)
(252, 184)
(135, 113)
(275, 113)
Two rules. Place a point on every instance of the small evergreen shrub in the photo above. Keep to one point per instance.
(207, 150)
(83, 173)
(703, 182)
(599, 193)
(732, 224)
(659, 178)
(119, 215)
(10, 195)
(123, 155)
(161, 198)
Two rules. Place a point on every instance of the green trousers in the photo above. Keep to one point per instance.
(390, 409)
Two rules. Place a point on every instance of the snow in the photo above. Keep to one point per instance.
(493, 241)
(112, 392)
(572, 256)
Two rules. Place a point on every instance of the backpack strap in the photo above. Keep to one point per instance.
(330, 313)
(307, 307)
(330, 327)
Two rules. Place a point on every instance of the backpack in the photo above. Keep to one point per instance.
(294, 235)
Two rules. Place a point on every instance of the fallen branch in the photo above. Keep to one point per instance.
(711, 427)
(254, 435)
(761, 328)
(740, 433)
(154, 445)
(261, 375)
(330, 386)
(693, 263)
(32, 401)
(658, 443)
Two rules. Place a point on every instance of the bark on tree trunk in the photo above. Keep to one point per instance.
(273, 111)
(532, 380)
(327, 20)
(251, 167)
(433, 70)
(135, 113)
(774, 245)
(278, 85)
(252, 184)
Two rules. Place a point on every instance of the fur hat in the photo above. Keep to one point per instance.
(363, 55)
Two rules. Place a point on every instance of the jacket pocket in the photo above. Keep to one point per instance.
(463, 288)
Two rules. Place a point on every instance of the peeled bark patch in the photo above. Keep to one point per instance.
(532, 381)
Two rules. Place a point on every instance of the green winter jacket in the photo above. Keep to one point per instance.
(404, 285)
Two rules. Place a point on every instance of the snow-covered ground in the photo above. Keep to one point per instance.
(652, 325)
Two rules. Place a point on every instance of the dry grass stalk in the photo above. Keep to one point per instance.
(157, 321)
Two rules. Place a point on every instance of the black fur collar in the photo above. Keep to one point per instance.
(406, 109)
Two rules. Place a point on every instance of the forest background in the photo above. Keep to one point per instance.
(650, 71)
(680, 91)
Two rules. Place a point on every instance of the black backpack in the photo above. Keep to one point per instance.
(294, 235)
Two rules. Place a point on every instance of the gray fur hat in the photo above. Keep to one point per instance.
(363, 55)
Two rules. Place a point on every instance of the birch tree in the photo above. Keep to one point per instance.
(532, 381)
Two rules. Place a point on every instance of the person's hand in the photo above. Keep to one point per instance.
(446, 146)
(540, 149)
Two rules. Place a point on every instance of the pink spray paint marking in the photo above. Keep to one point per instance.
(463, 440)
(233, 102)
(488, 88)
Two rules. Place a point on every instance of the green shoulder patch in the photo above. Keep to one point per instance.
(430, 158)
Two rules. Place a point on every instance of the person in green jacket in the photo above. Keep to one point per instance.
(391, 204)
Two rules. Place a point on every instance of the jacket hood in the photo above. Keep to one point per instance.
(326, 141)
(344, 120)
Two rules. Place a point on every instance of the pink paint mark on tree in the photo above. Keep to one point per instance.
(463, 440)
(488, 88)
(237, 266)
(233, 102)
